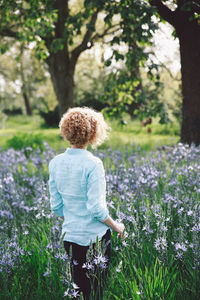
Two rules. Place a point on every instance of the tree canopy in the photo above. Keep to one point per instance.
(61, 30)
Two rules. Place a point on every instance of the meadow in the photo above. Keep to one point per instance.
(155, 193)
(120, 136)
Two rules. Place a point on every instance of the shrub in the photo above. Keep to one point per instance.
(51, 117)
(13, 112)
(26, 141)
(91, 100)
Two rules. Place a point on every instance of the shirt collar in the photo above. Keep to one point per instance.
(76, 151)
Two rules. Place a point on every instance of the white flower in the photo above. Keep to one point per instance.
(87, 266)
(124, 243)
(181, 246)
(190, 212)
(118, 269)
(75, 294)
(75, 262)
(180, 210)
(100, 259)
(66, 293)
(75, 286)
(160, 243)
(37, 216)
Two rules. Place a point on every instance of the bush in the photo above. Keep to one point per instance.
(51, 117)
(91, 100)
(13, 112)
(26, 141)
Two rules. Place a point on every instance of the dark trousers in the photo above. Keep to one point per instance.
(80, 274)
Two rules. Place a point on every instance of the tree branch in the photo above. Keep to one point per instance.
(9, 33)
(106, 32)
(194, 7)
(63, 12)
(83, 46)
(165, 12)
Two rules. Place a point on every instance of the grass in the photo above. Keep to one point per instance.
(157, 198)
(120, 136)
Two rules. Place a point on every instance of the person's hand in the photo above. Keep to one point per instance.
(116, 226)
(119, 227)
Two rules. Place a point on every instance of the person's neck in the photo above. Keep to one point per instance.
(76, 147)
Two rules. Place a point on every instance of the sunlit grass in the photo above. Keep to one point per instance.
(121, 135)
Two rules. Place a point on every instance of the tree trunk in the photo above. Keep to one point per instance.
(188, 32)
(27, 104)
(190, 70)
(62, 76)
(24, 84)
(135, 74)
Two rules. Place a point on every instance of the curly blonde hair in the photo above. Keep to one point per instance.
(83, 125)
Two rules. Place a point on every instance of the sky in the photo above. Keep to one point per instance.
(167, 48)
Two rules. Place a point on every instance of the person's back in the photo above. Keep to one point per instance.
(80, 180)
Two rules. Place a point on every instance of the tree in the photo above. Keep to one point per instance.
(24, 82)
(23, 75)
(60, 35)
(184, 16)
(125, 89)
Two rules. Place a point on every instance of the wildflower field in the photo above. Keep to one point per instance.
(155, 194)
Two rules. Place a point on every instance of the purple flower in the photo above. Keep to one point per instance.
(47, 273)
(74, 294)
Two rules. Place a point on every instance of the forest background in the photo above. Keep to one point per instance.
(106, 55)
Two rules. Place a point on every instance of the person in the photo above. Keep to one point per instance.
(77, 189)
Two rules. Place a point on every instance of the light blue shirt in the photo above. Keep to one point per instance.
(77, 189)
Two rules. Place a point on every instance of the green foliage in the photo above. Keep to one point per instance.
(23, 74)
(51, 117)
(28, 280)
(124, 94)
(125, 90)
(137, 30)
(13, 112)
(57, 27)
(176, 107)
(137, 276)
(26, 141)
(37, 21)
(89, 99)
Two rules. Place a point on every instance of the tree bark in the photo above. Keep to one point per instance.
(188, 32)
(24, 84)
(27, 104)
(62, 63)
(190, 70)
(135, 74)
(62, 76)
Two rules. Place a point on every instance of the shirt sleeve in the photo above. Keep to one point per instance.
(96, 193)
(56, 201)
